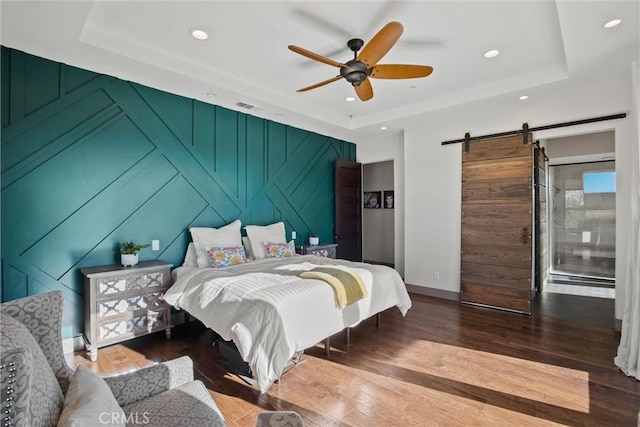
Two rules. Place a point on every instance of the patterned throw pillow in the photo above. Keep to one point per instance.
(227, 256)
(280, 250)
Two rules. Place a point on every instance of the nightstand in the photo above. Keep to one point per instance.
(121, 303)
(327, 250)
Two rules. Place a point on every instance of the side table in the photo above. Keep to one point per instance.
(327, 250)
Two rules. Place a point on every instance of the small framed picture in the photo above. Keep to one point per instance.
(388, 199)
(372, 200)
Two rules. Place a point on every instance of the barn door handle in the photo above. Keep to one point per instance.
(525, 235)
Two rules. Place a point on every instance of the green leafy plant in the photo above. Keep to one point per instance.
(314, 234)
(131, 248)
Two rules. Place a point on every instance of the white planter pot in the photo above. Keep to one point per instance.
(314, 241)
(128, 260)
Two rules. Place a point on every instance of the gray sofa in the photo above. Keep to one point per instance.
(39, 388)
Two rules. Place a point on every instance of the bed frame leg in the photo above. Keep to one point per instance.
(378, 320)
(347, 336)
(327, 346)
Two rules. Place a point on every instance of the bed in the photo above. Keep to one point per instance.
(271, 313)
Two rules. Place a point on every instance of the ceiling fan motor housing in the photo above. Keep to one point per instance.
(355, 72)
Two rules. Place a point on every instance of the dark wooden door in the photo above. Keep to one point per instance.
(348, 213)
(497, 218)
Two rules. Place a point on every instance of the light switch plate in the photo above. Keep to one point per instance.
(155, 245)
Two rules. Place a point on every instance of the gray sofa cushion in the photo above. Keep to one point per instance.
(15, 386)
(46, 399)
(189, 405)
(148, 381)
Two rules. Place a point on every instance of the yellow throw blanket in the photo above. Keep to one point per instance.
(348, 286)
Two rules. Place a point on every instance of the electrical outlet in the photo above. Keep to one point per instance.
(436, 275)
(294, 235)
(155, 245)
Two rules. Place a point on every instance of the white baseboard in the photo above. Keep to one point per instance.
(432, 292)
(71, 345)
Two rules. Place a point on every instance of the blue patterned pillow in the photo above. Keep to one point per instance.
(227, 256)
(280, 250)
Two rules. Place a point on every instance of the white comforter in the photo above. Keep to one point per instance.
(270, 313)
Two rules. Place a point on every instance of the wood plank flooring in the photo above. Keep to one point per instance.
(445, 364)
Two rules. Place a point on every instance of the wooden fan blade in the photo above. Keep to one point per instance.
(381, 43)
(400, 71)
(365, 90)
(326, 82)
(315, 56)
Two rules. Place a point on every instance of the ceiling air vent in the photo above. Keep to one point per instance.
(248, 106)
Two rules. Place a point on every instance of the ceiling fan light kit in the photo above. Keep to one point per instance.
(358, 70)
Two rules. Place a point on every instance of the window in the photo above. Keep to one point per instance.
(599, 182)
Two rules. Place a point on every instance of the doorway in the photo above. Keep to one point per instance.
(581, 283)
(583, 219)
(378, 223)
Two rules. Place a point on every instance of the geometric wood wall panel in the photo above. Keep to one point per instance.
(89, 160)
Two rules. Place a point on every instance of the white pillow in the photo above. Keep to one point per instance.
(90, 402)
(204, 237)
(259, 235)
(190, 258)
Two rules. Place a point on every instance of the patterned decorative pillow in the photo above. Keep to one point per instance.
(226, 256)
(280, 250)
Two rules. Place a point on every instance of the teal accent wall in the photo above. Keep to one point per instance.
(89, 160)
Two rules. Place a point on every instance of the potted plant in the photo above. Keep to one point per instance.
(314, 239)
(129, 253)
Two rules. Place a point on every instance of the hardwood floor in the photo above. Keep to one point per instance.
(444, 364)
(583, 309)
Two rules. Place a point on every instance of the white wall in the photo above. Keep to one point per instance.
(591, 147)
(389, 147)
(432, 172)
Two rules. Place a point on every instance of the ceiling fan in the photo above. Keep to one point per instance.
(364, 65)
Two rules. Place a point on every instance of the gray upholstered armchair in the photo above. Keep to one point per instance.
(38, 388)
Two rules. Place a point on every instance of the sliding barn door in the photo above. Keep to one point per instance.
(497, 223)
(541, 230)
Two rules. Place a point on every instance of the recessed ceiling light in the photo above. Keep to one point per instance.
(383, 128)
(412, 87)
(349, 99)
(279, 115)
(613, 23)
(211, 94)
(198, 34)
(523, 97)
(491, 53)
